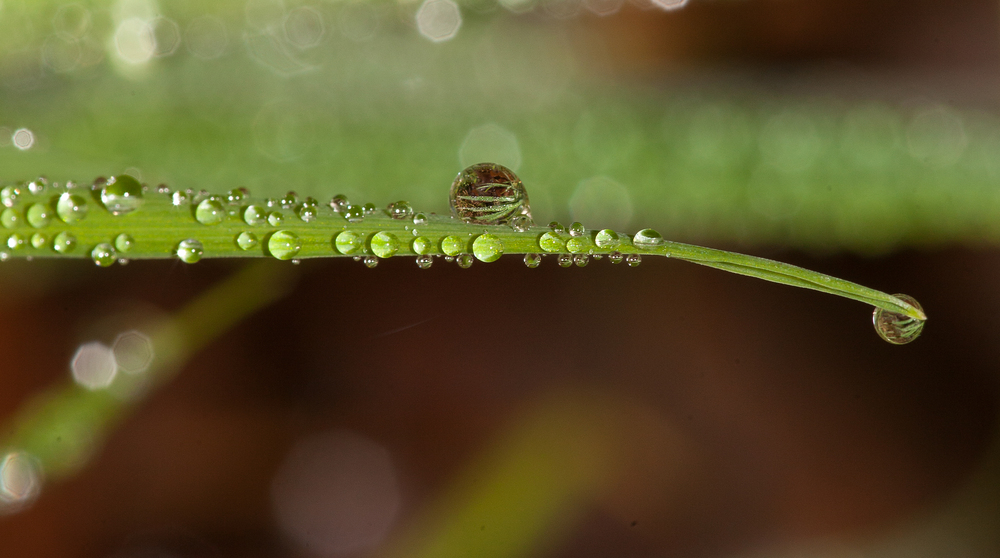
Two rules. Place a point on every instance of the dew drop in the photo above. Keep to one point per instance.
(71, 208)
(647, 238)
(122, 261)
(190, 250)
(557, 227)
(565, 260)
(121, 194)
(615, 257)
(124, 242)
(487, 248)
(275, 218)
(9, 195)
(419, 219)
(449, 258)
(209, 212)
(180, 197)
(64, 242)
(39, 240)
(550, 242)
(307, 213)
(422, 245)
(37, 186)
(310, 202)
(348, 242)
(254, 215)
(104, 255)
(384, 244)
(369, 208)
(521, 223)
(16, 241)
(4, 256)
(577, 229)
(532, 260)
(424, 262)
(236, 195)
(284, 245)
(464, 261)
(578, 244)
(607, 238)
(10, 218)
(246, 240)
(452, 245)
(272, 202)
(354, 213)
(370, 261)
(289, 200)
(38, 215)
(633, 260)
(581, 260)
(339, 203)
(896, 328)
(488, 194)
(400, 210)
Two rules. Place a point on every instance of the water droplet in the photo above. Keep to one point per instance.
(124, 242)
(369, 208)
(39, 240)
(236, 195)
(449, 258)
(647, 238)
(16, 241)
(532, 260)
(419, 219)
(307, 213)
(424, 262)
(37, 186)
(71, 208)
(354, 213)
(254, 215)
(370, 261)
(121, 194)
(521, 223)
(464, 261)
(487, 248)
(339, 203)
(209, 212)
(348, 242)
(4, 256)
(284, 245)
(615, 257)
(163, 189)
(422, 245)
(488, 194)
(296, 261)
(384, 244)
(400, 210)
(310, 202)
(556, 227)
(581, 260)
(180, 198)
(190, 250)
(565, 260)
(550, 242)
(272, 202)
(898, 329)
(289, 200)
(578, 244)
(246, 240)
(275, 218)
(453, 245)
(10, 218)
(9, 195)
(122, 261)
(577, 229)
(64, 242)
(104, 254)
(633, 260)
(607, 238)
(39, 215)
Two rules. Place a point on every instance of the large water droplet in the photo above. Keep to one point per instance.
(38, 215)
(615, 257)
(898, 329)
(633, 260)
(190, 250)
(209, 212)
(246, 240)
(453, 245)
(104, 254)
(532, 260)
(236, 195)
(39, 240)
(424, 262)
(9, 195)
(354, 213)
(487, 248)
(121, 194)
(400, 210)
(557, 227)
(422, 245)
(464, 261)
(607, 238)
(521, 223)
(384, 244)
(307, 213)
(370, 261)
(16, 241)
(64, 242)
(578, 244)
(550, 242)
(577, 229)
(284, 245)
(348, 242)
(254, 215)
(10, 218)
(565, 260)
(488, 194)
(124, 242)
(339, 203)
(647, 238)
(419, 219)
(71, 208)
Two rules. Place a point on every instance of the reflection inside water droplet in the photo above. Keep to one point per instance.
(633, 260)
(607, 238)
(464, 261)
(424, 262)
(400, 210)
(284, 245)
(647, 238)
(384, 244)
(896, 328)
(370, 261)
(348, 242)
(488, 194)
(487, 248)
(104, 254)
(190, 250)
(532, 260)
(565, 260)
(209, 212)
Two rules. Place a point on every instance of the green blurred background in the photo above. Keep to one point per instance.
(667, 410)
